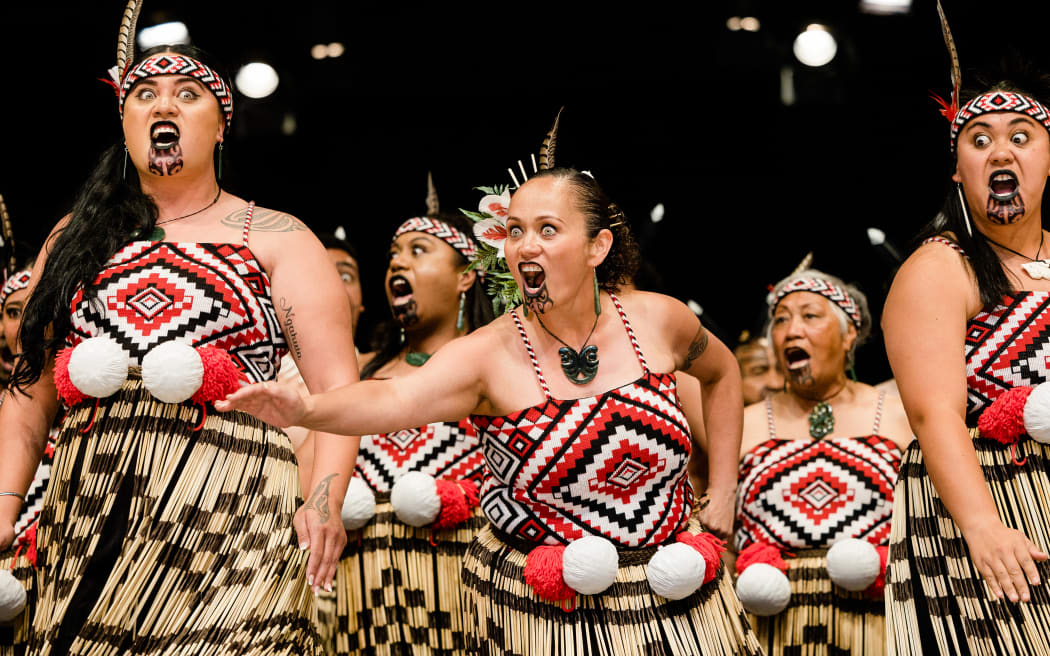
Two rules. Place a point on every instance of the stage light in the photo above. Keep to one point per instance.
(336, 49)
(885, 7)
(750, 23)
(815, 46)
(695, 307)
(319, 51)
(656, 215)
(733, 23)
(163, 34)
(256, 80)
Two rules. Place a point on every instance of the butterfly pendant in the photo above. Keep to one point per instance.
(579, 368)
(1037, 269)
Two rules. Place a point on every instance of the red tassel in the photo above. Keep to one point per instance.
(220, 375)
(204, 415)
(1003, 420)
(14, 560)
(30, 541)
(458, 499)
(709, 546)
(67, 391)
(760, 552)
(878, 588)
(94, 412)
(543, 567)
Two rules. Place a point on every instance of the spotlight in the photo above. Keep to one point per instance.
(815, 46)
(656, 215)
(733, 23)
(256, 80)
(319, 51)
(750, 24)
(163, 34)
(336, 49)
(885, 7)
(695, 307)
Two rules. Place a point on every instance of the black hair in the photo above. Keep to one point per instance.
(329, 240)
(386, 340)
(1015, 76)
(621, 263)
(109, 211)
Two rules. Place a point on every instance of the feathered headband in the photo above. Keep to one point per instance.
(993, 101)
(123, 77)
(436, 227)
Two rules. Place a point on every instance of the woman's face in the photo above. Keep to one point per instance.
(423, 279)
(759, 373)
(171, 126)
(12, 315)
(548, 250)
(1003, 162)
(346, 265)
(807, 339)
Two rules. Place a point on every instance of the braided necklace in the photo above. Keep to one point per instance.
(158, 232)
(1034, 267)
(580, 367)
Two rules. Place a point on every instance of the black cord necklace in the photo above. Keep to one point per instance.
(579, 367)
(158, 232)
(1034, 267)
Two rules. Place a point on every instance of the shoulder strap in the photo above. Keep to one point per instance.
(947, 242)
(878, 412)
(248, 223)
(630, 332)
(532, 354)
(769, 418)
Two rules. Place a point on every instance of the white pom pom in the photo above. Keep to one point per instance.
(853, 564)
(172, 371)
(1037, 413)
(675, 571)
(763, 590)
(98, 367)
(12, 597)
(415, 499)
(359, 505)
(589, 565)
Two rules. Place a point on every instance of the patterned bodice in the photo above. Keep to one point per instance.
(449, 450)
(1006, 346)
(612, 465)
(806, 494)
(201, 294)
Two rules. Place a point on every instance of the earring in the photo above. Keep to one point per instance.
(218, 174)
(124, 169)
(597, 296)
(965, 210)
(462, 306)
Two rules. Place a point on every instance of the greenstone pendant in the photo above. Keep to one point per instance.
(821, 420)
(417, 359)
(157, 234)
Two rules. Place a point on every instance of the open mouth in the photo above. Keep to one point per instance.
(164, 135)
(795, 357)
(1003, 185)
(400, 292)
(532, 276)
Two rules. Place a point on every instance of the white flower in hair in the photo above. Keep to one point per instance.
(493, 229)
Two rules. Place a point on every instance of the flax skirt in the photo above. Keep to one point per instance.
(823, 619)
(14, 634)
(156, 538)
(937, 602)
(628, 619)
(399, 589)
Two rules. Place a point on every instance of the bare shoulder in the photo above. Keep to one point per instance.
(651, 305)
(894, 423)
(934, 269)
(264, 220)
(756, 427)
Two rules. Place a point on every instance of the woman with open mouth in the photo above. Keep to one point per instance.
(168, 527)
(412, 507)
(818, 462)
(966, 335)
(591, 545)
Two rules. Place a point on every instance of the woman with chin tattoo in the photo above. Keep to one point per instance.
(168, 527)
(818, 463)
(398, 585)
(592, 546)
(966, 334)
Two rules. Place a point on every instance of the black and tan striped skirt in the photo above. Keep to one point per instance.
(156, 538)
(628, 619)
(822, 619)
(937, 602)
(14, 634)
(399, 588)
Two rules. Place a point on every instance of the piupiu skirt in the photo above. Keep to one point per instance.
(628, 619)
(822, 619)
(937, 601)
(399, 588)
(160, 538)
(14, 634)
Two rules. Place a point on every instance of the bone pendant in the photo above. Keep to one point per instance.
(1037, 270)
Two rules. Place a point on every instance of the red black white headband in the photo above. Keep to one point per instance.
(438, 228)
(825, 288)
(999, 101)
(175, 64)
(16, 282)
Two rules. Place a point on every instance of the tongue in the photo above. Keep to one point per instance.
(1000, 188)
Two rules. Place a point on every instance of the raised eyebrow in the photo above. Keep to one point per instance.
(1023, 119)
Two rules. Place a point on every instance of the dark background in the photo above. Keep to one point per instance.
(663, 104)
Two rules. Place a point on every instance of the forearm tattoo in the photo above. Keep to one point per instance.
(290, 333)
(264, 220)
(319, 499)
(696, 347)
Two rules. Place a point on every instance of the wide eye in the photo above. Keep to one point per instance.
(146, 93)
(187, 94)
(1019, 138)
(548, 231)
(418, 250)
(346, 277)
(514, 232)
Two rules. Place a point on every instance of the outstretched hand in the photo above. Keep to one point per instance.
(276, 404)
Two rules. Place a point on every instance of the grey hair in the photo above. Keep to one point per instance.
(863, 331)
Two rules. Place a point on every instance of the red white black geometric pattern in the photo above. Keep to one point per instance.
(807, 494)
(1006, 346)
(825, 288)
(172, 64)
(1000, 101)
(199, 294)
(613, 465)
(447, 450)
(453, 237)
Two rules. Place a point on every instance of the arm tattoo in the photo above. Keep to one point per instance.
(264, 220)
(696, 347)
(289, 329)
(319, 499)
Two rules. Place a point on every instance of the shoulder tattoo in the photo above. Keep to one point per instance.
(696, 347)
(264, 220)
